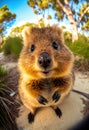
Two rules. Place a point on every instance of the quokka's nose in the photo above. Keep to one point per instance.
(44, 60)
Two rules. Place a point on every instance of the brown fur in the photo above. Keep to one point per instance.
(33, 82)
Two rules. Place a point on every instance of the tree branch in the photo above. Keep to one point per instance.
(80, 18)
(65, 8)
(66, 2)
(61, 5)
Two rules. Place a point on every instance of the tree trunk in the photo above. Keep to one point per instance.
(74, 30)
(68, 12)
(74, 33)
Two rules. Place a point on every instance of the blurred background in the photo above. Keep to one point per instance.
(71, 15)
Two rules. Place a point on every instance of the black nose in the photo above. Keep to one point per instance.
(44, 60)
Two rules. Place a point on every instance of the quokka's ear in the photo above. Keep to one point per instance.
(26, 35)
(25, 32)
(58, 32)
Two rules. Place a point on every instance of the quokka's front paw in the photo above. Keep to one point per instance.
(42, 100)
(56, 96)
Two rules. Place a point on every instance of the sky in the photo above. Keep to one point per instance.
(20, 8)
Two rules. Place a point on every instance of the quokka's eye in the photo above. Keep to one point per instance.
(55, 45)
(32, 48)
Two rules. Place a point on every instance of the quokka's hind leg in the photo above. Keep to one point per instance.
(31, 115)
(56, 96)
(57, 111)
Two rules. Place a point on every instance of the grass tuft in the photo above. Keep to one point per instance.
(80, 48)
(13, 46)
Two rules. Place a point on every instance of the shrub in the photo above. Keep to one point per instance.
(67, 36)
(80, 47)
(12, 45)
(7, 121)
(3, 72)
(83, 37)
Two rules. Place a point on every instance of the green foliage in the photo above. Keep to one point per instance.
(3, 72)
(85, 18)
(12, 45)
(18, 29)
(41, 23)
(80, 47)
(68, 36)
(83, 38)
(5, 18)
(85, 27)
(63, 10)
(49, 17)
(41, 5)
(60, 14)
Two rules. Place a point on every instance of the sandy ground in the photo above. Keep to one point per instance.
(46, 119)
(7, 61)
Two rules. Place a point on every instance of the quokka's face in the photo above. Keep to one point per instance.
(44, 53)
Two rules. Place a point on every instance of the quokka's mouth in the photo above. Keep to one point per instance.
(45, 72)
